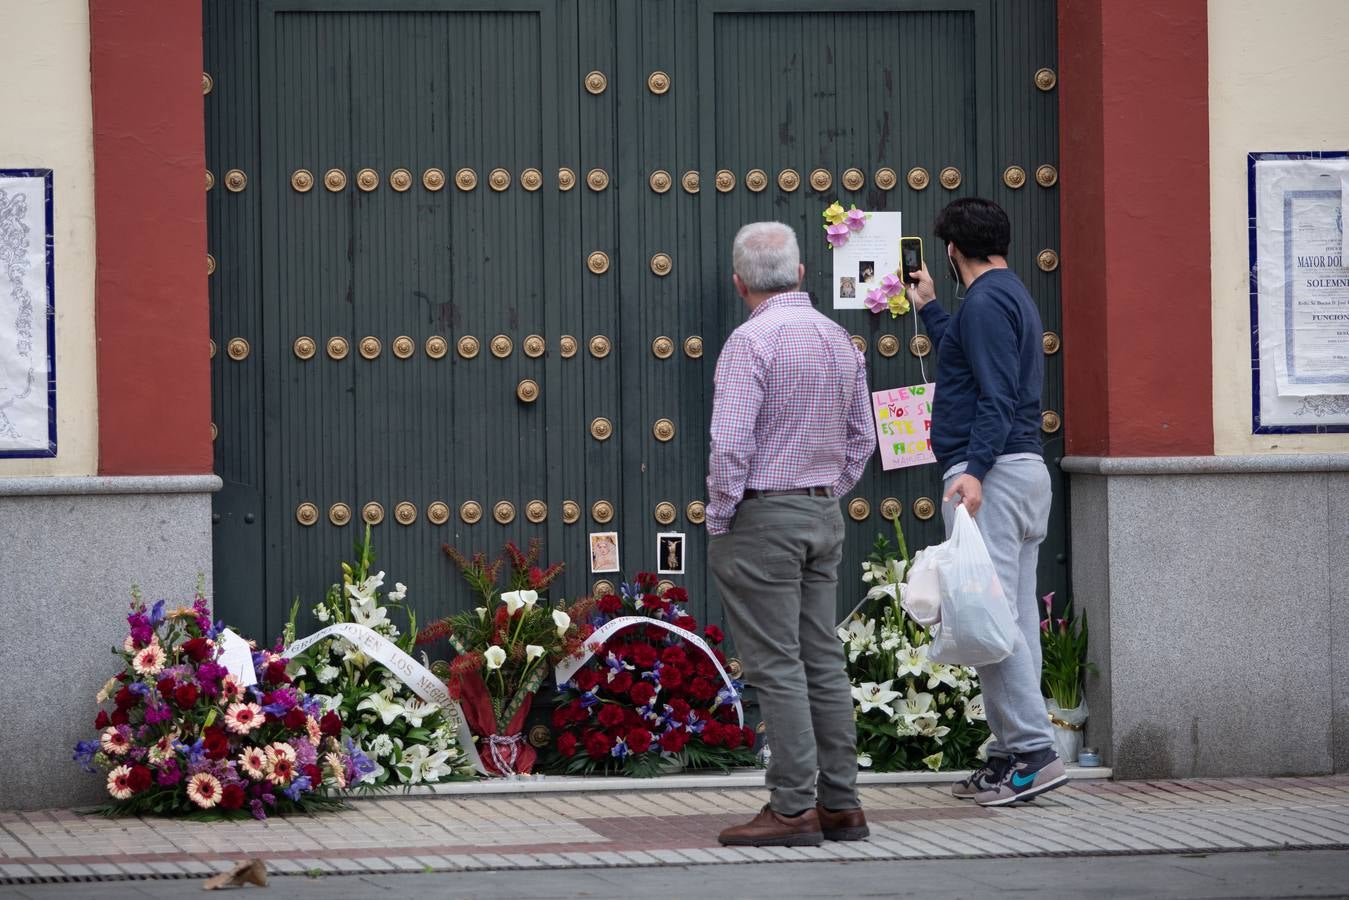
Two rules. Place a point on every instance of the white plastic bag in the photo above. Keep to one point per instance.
(922, 598)
(977, 628)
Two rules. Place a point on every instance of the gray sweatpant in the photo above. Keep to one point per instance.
(777, 569)
(1013, 520)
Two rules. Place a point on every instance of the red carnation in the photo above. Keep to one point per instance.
(126, 698)
(733, 736)
(295, 720)
(215, 742)
(139, 779)
(712, 734)
(611, 604)
(119, 717)
(651, 601)
(678, 595)
(674, 656)
(674, 740)
(587, 679)
(166, 686)
(199, 648)
(185, 695)
(688, 623)
(276, 672)
(331, 724)
(102, 721)
(713, 634)
(705, 668)
(566, 743)
(642, 693)
(620, 683)
(644, 655)
(232, 797)
(655, 633)
(561, 717)
(646, 581)
(639, 740)
(315, 775)
(611, 715)
(749, 736)
(671, 678)
(680, 709)
(702, 689)
(597, 745)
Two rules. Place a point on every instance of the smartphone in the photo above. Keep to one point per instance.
(910, 256)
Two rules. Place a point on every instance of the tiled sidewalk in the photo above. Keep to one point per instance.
(652, 828)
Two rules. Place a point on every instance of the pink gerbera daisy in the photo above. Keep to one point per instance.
(204, 790)
(230, 689)
(114, 742)
(337, 768)
(241, 718)
(283, 770)
(311, 724)
(254, 762)
(149, 661)
(119, 783)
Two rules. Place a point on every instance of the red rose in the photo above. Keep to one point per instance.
(688, 623)
(566, 743)
(681, 710)
(673, 656)
(674, 740)
(597, 745)
(166, 686)
(671, 678)
(712, 734)
(185, 695)
(215, 742)
(126, 698)
(232, 797)
(702, 689)
(639, 740)
(199, 648)
(642, 693)
(295, 720)
(276, 673)
(315, 775)
(587, 679)
(139, 779)
(102, 721)
(611, 604)
(644, 655)
(713, 634)
(733, 736)
(119, 717)
(331, 724)
(611, 716)
(678, 595)
(620, 683)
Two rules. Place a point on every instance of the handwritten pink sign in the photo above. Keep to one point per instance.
(904, 425)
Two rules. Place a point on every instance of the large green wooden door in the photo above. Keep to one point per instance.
(450, 206)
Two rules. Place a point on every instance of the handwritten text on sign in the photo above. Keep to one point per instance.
(904, 425)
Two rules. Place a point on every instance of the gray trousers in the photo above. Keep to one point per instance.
(1013, 520)
(777, 570)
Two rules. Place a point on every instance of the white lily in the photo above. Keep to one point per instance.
(912, 660)
(915, 705)
(860, 636)
(495, 657)
(562, 621)
(399, 592)
(365, 612)
(870, 695)
(864, 760)
(416, 709)
(533, 652)
(974, 708)
(481, 611)
(529, 598)
(940, 673)
(386, 708)
(365, 590)
(934, 761)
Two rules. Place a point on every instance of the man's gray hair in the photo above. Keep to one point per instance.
(767, 258)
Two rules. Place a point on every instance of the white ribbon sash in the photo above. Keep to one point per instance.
(572, 664)
(412, 673)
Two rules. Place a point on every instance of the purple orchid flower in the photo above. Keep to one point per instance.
(837, 235)
(876, 300)
(855, 220)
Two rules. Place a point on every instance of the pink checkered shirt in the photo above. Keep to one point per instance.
(791, 409)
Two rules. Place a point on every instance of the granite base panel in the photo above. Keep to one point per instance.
(1219, 612)
(67, 564)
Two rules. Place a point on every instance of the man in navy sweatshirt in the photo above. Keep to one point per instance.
(986, 434)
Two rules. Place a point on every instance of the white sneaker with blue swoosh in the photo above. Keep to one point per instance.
(1024, 781)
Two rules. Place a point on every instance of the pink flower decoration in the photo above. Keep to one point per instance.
(891, 285)
(837, 235)
(876, 300)
(856, 220)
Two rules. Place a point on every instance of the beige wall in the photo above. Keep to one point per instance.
(48, 124)
(1277, 78)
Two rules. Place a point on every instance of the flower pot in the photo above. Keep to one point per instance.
(1068, 725)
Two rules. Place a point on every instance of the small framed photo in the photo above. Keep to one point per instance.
(604, 551)
(670, 553)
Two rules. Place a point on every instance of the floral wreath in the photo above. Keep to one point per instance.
(839, 225)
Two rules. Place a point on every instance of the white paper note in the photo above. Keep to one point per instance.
(237, 657)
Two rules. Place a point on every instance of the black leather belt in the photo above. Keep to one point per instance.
(807, 491)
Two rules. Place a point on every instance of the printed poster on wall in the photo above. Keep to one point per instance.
(869, 256)
(1299, 292)
(27, 332)
(904, 425)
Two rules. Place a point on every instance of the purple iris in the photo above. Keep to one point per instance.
(84, 755)
(297, 787)
(620, 750)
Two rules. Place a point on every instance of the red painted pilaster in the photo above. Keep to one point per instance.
(1134, 187)
(154, 388)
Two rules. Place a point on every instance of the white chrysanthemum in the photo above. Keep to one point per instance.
(326, 674)
(382, 745)
(321, 612)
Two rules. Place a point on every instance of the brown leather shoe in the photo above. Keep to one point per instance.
(769, 829)
(843, 824)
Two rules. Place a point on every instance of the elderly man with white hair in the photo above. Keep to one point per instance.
(791, 433)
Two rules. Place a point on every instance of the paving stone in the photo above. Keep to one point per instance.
(279, 866)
